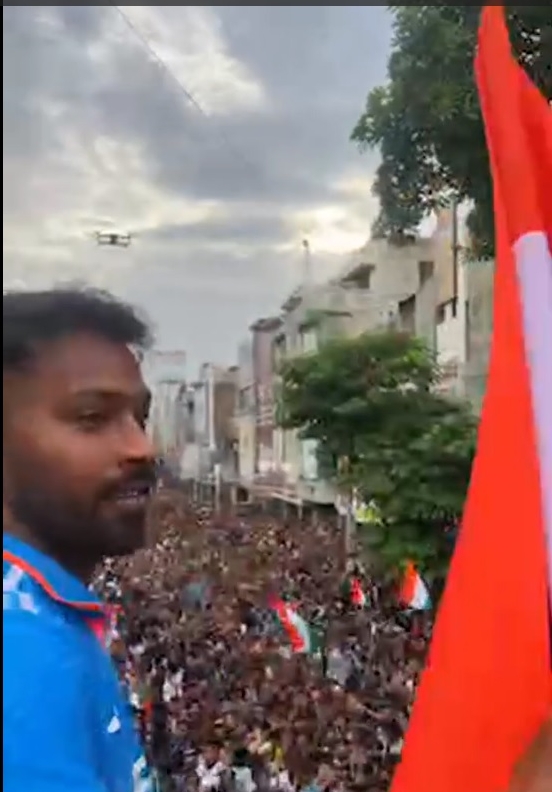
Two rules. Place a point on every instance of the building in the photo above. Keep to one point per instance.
(449, 294)
(245, 415)
(424, 286)
(211, 442)
(383, 278)
(479, 278)
(263, 334)
(451, 308)
(165, 373)
(366, 295)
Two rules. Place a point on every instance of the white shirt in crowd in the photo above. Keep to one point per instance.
(209, 777)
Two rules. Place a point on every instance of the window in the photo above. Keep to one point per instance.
(454, 307)
(407, 314)
(442, 314)
(425, 271)
(364, 276)
(360, 277)
(279, 349)
(308, 339)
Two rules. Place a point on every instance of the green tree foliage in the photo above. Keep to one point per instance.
(426, 119)
(370, 400)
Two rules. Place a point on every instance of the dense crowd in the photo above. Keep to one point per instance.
(222, 700)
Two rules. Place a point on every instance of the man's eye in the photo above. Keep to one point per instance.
(91, 420)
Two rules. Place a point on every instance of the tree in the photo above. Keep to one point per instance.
(370, 401)
(420, 486)
(426, 119)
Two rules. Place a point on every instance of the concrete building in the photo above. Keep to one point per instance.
(451, 308)
(450, 302)
(165, 374)
(366, 295)
(263, 333)
(211, 442)
(479, 278)
(436, 307)
(424, 287)
(245, 415)
(383, 278)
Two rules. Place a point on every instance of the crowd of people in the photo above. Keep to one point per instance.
(222, 700)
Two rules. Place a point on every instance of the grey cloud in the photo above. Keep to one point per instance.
(83, 23)
(203, 282)
(288, 153)
(241, 228)
(312, 55)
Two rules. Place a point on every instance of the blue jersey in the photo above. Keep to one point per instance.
(67, 725)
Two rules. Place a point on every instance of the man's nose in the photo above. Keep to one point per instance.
(138, 445)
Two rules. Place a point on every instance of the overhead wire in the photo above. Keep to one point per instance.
(186, 92)
(189, 96)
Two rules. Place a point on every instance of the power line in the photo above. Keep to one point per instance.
(159, 60)
(189, 96)
(178, 82)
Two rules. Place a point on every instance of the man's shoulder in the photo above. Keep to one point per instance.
(48, 655)
(41, 658)
(33, 619)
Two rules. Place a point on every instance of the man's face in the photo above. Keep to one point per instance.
(78, 466)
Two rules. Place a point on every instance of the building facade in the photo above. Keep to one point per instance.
(425, 287)
(165, 374)
(245, 414)
(365, 296)
(479, 276)
(211, 440)
(263, 333)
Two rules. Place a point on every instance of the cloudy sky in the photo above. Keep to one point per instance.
(98, 136)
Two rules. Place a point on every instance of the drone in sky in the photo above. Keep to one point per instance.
(113, 238)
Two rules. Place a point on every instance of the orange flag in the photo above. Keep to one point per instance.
(488, 683)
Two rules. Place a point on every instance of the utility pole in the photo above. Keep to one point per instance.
(348, 521)
(217, 484)
(214, 467)
(455, 248)
(350, 527)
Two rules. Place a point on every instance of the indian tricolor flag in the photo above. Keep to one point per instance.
(297, 629)
(488, 684)
(358, 597)
(413, 593)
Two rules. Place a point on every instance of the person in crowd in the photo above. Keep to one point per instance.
(245, 712)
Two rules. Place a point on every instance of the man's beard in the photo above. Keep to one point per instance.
(65, 530)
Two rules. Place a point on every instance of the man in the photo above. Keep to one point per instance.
(78, 473)
(210, 769)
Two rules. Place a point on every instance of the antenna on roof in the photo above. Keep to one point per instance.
(307, 273)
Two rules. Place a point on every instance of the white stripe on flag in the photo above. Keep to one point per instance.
(420, 598)
(301, 626)
(534, 269)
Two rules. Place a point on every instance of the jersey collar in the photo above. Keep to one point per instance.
(57, 582)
